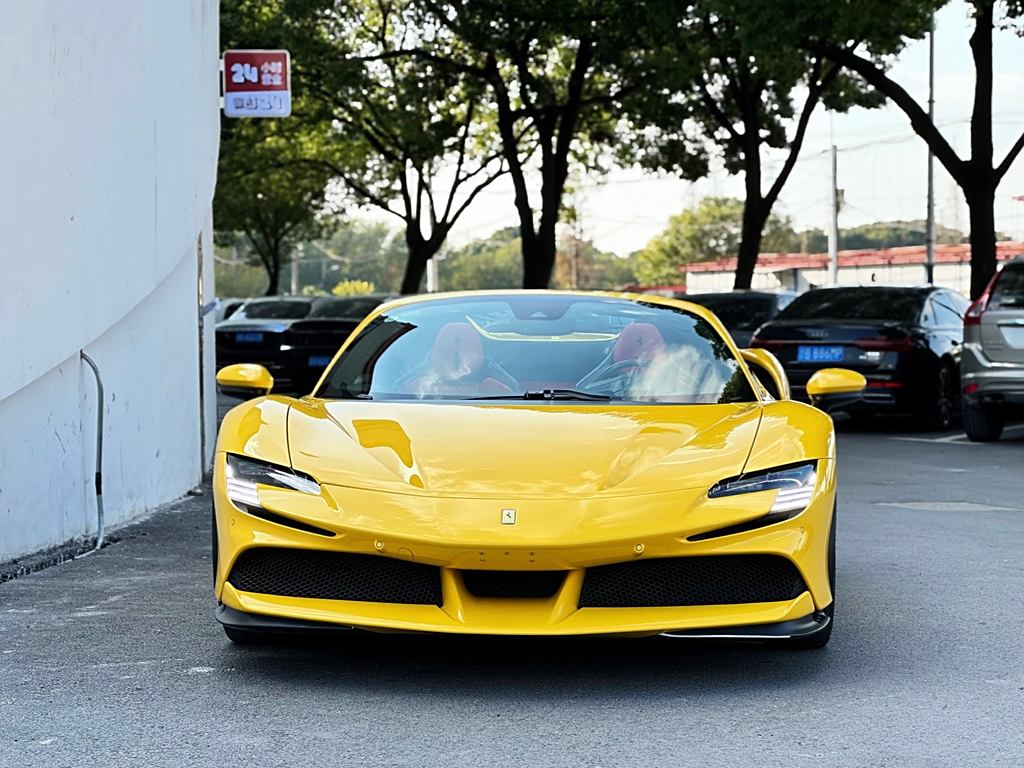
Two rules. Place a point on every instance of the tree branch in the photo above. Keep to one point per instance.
(814, 92)
(1010, 157)
(919, 120)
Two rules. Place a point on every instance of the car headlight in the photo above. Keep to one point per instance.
(795, 485)
(243, 475)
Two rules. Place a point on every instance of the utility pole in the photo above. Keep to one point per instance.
(833, 230)
(575, 253)
(929, 222)
(432, 275)
(295, 271)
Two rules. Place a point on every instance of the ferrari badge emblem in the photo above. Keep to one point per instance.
(508, 517)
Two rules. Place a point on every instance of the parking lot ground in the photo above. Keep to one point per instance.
(115, 659)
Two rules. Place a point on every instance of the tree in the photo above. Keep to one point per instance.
(265, 194)
(270, 189)
(712, 230)
(557, 71)
(753, 81)
(411, 139)
(594, 269)
(978, 176)
(492, 262)
(360, 250)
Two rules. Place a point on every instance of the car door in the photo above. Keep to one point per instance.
(1002, 323)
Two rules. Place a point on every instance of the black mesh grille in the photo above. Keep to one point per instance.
(336, 576)
(712, 580)
(513, 583)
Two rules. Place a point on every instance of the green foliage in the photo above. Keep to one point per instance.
(353, 250)
(353, 288)
(234, 277)
(712, 230)
(595, 269)
(410, 138)
(493, 262)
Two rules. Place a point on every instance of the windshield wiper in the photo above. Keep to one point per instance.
(548, 394)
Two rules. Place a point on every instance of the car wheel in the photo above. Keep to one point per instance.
(939, 411)
(983, 424)
(820, 639)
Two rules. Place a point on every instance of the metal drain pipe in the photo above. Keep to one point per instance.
(99, 449)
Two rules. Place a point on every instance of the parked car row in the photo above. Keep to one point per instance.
(292, 337)
(925, 351)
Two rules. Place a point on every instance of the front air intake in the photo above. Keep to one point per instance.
(682, 581)
(336, 576)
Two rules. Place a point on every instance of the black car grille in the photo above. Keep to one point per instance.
(680, 581)
(336, 576)
(513, 583)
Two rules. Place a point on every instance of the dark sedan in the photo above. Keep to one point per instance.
(293, 337)
(906, 342)
(742, 312)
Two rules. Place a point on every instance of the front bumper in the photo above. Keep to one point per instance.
(781, 630)
(634, 529)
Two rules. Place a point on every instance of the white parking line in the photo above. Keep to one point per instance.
(945, 506)
(958, 438)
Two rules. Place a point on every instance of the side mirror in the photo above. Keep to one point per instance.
(244, 381)
(769, 371)
(833, 389)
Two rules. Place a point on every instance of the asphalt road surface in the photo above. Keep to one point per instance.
(115, 659)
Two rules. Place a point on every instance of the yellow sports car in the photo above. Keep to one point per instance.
(531, 463)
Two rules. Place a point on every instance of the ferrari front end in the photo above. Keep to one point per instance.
(537, 515)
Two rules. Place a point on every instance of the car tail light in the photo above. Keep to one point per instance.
(768, 343)
(884, 344)
(974, 312)
(970, 389)
(885, 384)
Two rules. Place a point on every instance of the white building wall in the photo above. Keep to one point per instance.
(110, 129)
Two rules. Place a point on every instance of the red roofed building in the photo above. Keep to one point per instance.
(885, 266)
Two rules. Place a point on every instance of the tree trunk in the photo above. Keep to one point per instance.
(273, 279)
(751, 230)
(421, 250)
(754, 214)
(539, 257)
(980, 194)
(980, 183)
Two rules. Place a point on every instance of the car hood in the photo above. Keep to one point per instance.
(520, 450)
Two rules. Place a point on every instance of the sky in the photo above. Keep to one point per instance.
(882, 164)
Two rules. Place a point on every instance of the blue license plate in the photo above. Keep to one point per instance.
(319, 361)
(819, 354)
(249, 337)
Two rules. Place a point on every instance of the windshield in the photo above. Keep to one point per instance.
(538, 347)
(736, 311)
(290, 309)
(896, 304)
(1009, 288)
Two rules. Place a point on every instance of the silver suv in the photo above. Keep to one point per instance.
(992, 367)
